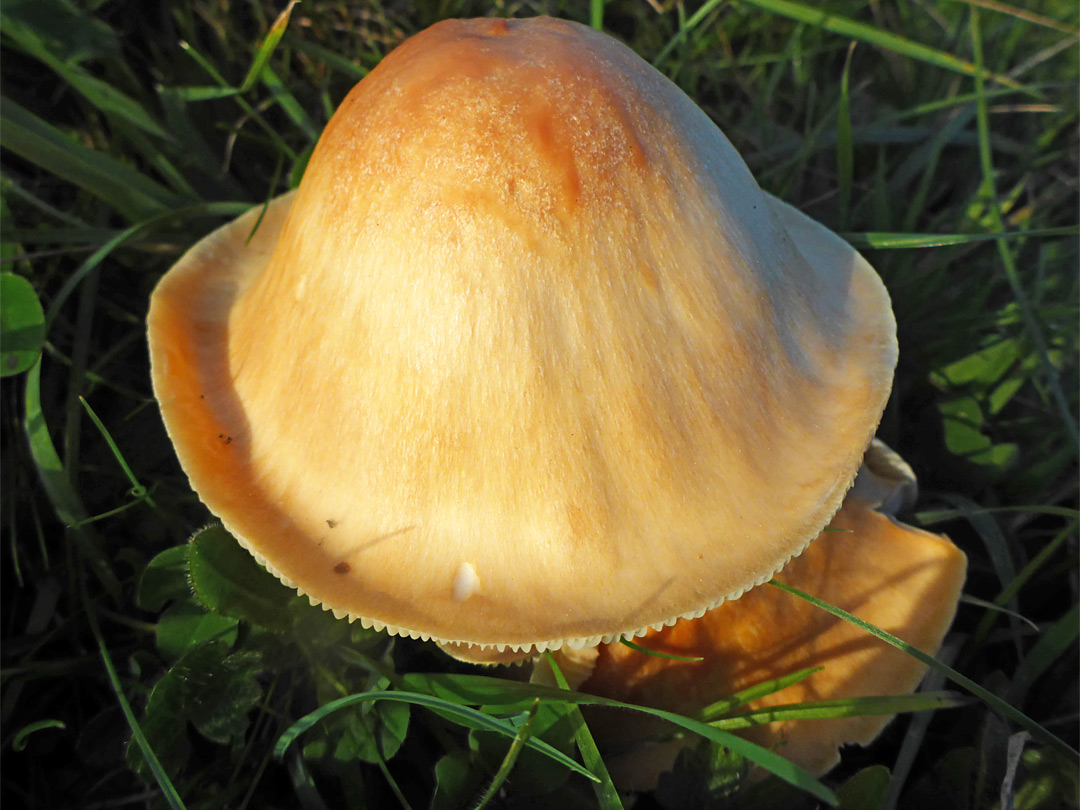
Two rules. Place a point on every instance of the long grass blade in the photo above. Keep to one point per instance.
(841, 707)
(111, 101)
(685, 29)
(137, 489)
(907, 241)
(492, 692)
(132, 194)
(715, 711)
(462, 714)
(988, 697)
(1048, 649)
(507, 765)
(606, 794)
(845, 152)
(168, 791)
(853, 29)
(266, 50)
(56, 483)
(1008, 260)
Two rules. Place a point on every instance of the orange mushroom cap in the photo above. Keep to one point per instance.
(528, 359)
(901, 579)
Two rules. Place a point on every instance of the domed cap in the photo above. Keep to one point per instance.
(528, 359)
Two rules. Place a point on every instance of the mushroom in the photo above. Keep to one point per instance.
(528, 360)
(896, 577)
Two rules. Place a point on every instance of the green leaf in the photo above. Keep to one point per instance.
(221, 712)
(987, 365)
(962, 419)
(227, 580)
(207, 687)
(164, 579)
(22, 325)
(865, 790)
(373, 732)
(186, 625)
(457, 782)
(704, 775)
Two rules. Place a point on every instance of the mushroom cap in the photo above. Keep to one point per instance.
(899, 578)
(528, 359)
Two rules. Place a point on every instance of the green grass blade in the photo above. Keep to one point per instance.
(111, 101)
(988, 697)
(488, 691)
(137, 489)
(345, 66)
(932, 516)
(906, 241)
(596, 14)
(54, 480)
(266, 50)
(1013, 588)
(853, 29)
(73, 281)
(607, 796)
(234, 93)
(685, 29)
(307, 793)
(845, 153)
(153, 763)
(841, 707)
(463, 714)
(638, 648)
(1034, 329)
(289, 104)
(1053, 643)
(716, 710)
(132, 194)
(19, 743)
(507, 765)
(997, 546)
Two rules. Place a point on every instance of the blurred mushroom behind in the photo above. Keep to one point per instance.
(527, 318)
(901, 579)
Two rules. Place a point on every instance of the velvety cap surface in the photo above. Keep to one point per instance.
(528, 359)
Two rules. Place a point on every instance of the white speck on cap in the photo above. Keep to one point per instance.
(466, 582)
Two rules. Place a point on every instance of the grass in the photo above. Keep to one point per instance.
(940, 137)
